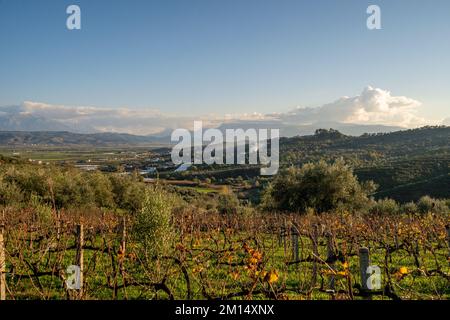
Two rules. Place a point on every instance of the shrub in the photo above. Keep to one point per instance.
(385, 206)
(409, 208)
(10, 194)
(152, 227)
(44, 212)
(228, 203)
(127, 192)
(320, 186)
(427, 204)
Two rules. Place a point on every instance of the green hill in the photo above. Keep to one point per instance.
(405, 164)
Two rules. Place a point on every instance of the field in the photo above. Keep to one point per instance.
(96, 155)
(226, 257)
(140, 229)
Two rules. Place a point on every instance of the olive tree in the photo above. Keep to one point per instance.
(153, 226)
(319, 186)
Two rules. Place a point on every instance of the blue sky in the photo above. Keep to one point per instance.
(192, 57)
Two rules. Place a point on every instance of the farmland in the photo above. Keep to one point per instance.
(139, 229)
(233, 257)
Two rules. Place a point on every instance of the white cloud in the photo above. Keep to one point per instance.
(138, 121)
(128, 120)
(372, 106)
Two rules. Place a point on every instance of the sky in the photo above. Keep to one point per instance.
(200, 57)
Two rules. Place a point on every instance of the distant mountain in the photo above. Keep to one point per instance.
(16, 118)
(21, 122)
(64, 138)
(289, 130)
(61, 137)
(22, 118)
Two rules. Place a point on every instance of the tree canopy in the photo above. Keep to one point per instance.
(319, 186)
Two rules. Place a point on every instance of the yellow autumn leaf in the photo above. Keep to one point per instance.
(271, 276)
(257, 255)
(197, 270)
(403, 270)
(234, 275)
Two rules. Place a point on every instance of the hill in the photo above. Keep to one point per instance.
(65, 138)
(404, 164)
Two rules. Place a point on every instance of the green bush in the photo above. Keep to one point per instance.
(10, 194)
(69, 188)
(385, 206)
(320, 186)
(44, 212)
(409, 208)
(427, 204)
(128, 193)
(152, 227)
(228, 204)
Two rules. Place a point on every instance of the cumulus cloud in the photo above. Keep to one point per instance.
(137, 121)
(372, 106)
(123, 120)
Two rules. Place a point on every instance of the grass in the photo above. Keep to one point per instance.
(228, 256)
(220, 274)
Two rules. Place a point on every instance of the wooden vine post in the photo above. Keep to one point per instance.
(447, 228)
(123, 252)
(2, 264)
(284, 237)
(330, 259)
(294, 236)
(281, 235)
(315, 244)
(364, 263)
(80, 258)
(123, 244)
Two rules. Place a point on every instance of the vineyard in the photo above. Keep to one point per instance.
(213, 256)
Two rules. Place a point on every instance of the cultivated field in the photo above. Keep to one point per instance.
(254, 256)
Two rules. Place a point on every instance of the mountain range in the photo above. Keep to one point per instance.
(65, 138)
(19, 127)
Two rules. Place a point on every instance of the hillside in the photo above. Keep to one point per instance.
(404, 164)
(65, 138)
